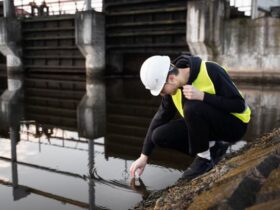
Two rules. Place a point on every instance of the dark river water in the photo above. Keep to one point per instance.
(48, 161)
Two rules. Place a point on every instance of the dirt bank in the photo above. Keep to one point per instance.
(246, 179)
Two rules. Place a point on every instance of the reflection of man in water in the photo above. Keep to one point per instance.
(211, 110)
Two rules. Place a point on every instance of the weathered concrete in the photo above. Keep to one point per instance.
(252, 45)
(88, 4)
(10, 43)
(10, 38)
(249, 48)
(9, 9)
(91, 111)
(11, 107)
(205, 26)
(12, 97)
(90, 38)
(10, 46)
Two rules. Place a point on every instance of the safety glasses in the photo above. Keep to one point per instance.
(172, 67)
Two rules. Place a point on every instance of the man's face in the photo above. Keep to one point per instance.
(170, 87)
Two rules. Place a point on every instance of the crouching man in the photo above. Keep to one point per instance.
(212, 110)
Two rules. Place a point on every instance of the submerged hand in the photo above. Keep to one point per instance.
(139, 186)
(191, 93)
(138, 165)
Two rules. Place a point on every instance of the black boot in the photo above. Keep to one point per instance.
(218, 151)
(198, 167)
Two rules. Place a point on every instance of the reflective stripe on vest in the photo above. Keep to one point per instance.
(205, 84)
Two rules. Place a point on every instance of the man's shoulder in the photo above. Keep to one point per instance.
(215, 68)
(212, 64)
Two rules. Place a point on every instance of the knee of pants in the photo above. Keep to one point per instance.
(193, 108)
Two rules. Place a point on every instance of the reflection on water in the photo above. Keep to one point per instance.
(55, 155)
(264, 101)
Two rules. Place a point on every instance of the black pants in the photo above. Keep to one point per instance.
(202, 123)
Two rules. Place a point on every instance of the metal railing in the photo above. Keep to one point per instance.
(29, 8)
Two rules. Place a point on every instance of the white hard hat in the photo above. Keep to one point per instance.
(154, 72)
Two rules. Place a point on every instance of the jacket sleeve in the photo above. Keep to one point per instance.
(164, 114)
(227, 97)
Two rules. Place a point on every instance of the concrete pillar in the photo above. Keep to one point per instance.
(10, 43)
(90, 38)
(91, 111)
(9, 9)
(10, 46)
(205, 19)
(91, 183)
(13, 95)
(88, 4)
(254, 9)
(19, 192)
(11, 112)
(12, 109)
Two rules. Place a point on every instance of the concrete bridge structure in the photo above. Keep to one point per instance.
(60, 59)
(212, 29)
(128, 31)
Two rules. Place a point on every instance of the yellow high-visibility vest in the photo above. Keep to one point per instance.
(205, 84)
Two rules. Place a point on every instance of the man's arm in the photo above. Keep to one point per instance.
(164, 114)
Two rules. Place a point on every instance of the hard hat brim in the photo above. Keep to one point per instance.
(156, 92)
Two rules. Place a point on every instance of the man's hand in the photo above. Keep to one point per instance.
(139, 187)
(191, 93)
(138, 165)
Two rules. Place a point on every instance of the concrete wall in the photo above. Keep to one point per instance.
(251, 45)
(249, 48)
(10, 46)
(205, 22)
(90, 38)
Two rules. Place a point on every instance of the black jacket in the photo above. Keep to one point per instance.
(227, 98)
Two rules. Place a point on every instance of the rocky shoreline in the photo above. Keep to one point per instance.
(248, 178)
